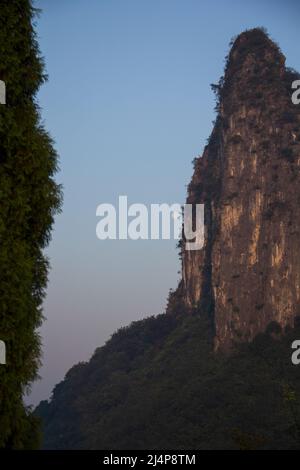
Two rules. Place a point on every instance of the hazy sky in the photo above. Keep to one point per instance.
(129, 106)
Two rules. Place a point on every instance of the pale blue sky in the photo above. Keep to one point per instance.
(129, 106)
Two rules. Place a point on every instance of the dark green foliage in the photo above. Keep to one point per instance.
(158, 385)
(275, 208)
(236, 139)
(29, 199)
(288, 117)
(288, 154)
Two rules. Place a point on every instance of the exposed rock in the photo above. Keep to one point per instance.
(248, 273)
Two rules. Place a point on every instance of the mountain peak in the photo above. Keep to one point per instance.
(257, 43)
(247, 275)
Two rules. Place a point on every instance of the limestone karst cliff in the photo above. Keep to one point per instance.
(248, 273)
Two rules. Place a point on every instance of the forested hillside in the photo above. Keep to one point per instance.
(157, 384)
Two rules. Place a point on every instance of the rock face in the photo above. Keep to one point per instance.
(248, 273)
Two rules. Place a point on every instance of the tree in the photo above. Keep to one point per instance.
(29, 199)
